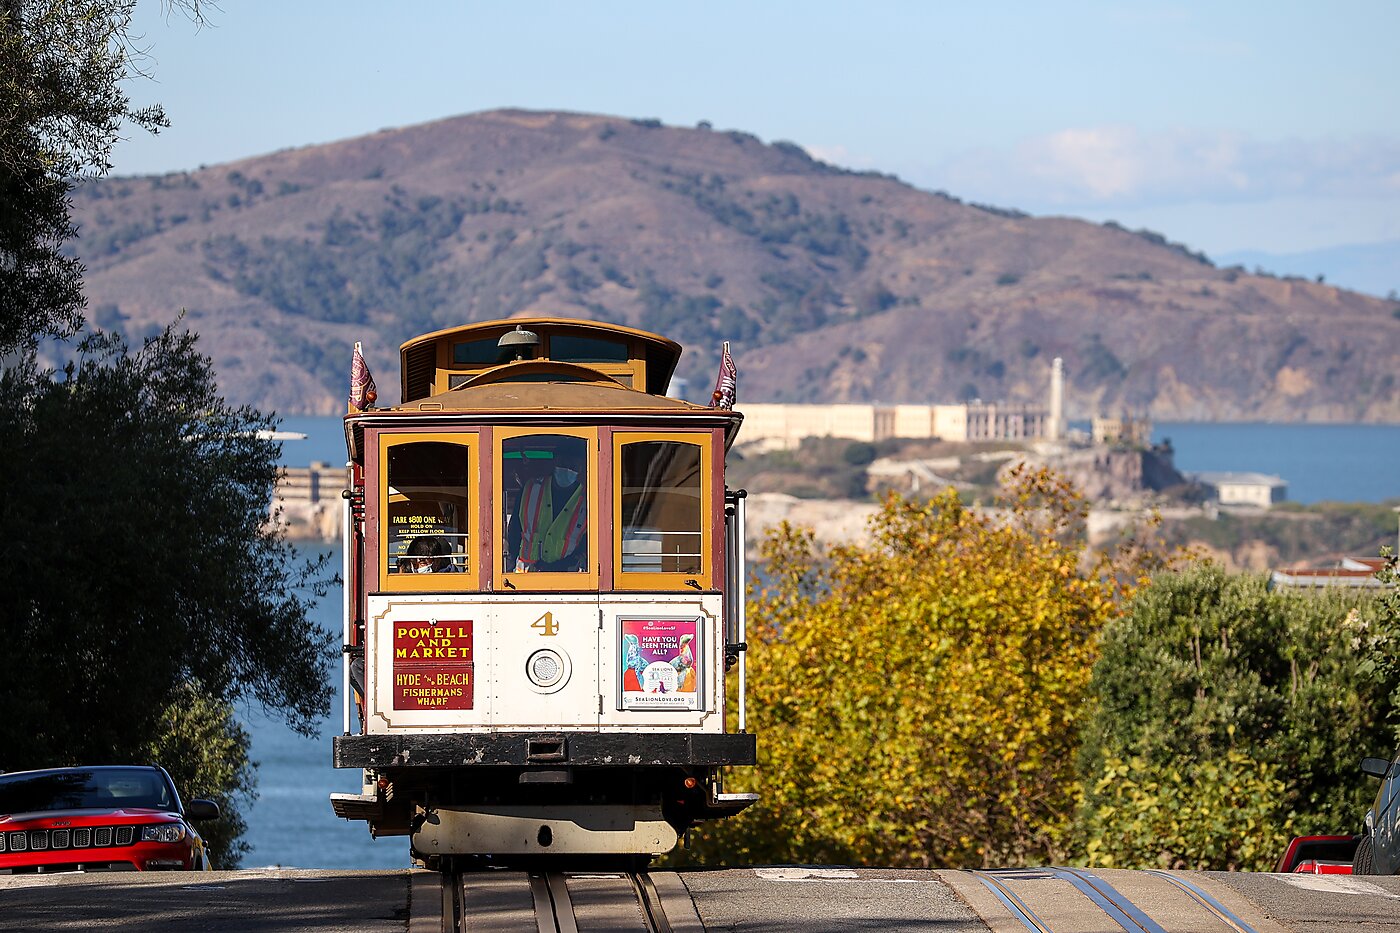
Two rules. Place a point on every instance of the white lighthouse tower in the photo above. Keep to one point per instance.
(1056, 429)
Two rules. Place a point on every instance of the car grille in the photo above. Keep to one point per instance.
(42, 840)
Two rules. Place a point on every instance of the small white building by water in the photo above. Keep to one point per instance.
(1259, 490)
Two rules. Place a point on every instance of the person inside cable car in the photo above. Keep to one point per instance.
(549, 531)
(428, 554)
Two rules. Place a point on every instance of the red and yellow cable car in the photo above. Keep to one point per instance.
(544, 577)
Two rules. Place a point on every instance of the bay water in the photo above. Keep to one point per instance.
(1320, 462)
(291, 822)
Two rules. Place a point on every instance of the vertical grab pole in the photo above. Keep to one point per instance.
(347, 546)
(741, 597)
(731, 578)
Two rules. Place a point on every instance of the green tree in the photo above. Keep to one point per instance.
(205, 749)
(139, 497)
(1209, 668)
(141, 593)
(1381, 645)
(62, 66)
(136, 500)
(918, 697)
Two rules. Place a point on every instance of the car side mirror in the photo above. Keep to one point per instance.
(209, 810)
(1375, 767)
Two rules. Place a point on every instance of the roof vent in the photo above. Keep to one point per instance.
(518, 344)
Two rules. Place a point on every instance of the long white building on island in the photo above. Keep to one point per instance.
(783, 426)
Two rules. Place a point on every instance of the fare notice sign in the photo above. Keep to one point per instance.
(433, 665)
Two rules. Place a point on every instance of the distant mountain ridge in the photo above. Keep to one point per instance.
(833, 285)
(1373, 268)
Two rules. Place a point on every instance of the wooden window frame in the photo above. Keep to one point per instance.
(666, 581)
(470, 579)
(505, 581)
(632, 373)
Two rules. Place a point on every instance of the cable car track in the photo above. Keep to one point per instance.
(558, 902)
(1040, 900)
(1114, 903)
(1197, 894)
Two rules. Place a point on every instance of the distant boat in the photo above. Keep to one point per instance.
(281, 436)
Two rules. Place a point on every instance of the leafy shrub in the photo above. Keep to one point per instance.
(1216, 814)
(1206, 665)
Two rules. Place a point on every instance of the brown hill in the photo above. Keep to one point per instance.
(834, 286)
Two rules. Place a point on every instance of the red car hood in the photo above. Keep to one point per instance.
(48, 819)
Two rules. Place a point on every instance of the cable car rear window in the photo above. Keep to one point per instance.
(662, 517)
(475, 352)
(429, 508)
(545, 507)
(586, 350)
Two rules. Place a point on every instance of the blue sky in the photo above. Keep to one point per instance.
(1271, 126)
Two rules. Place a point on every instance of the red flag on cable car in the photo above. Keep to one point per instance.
(727, 383)
(363, 391)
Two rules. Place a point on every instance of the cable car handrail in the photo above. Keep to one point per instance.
(347, 548)
(657, 531)
(741, 597)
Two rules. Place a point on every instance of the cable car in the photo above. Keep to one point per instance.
(544, 598)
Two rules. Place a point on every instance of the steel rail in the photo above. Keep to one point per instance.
(451, 902)
(1100, 892)
(1010, 901)
(553, 906)
(1109, 899)
(554, 909)
(1200, 896)
(650, 902)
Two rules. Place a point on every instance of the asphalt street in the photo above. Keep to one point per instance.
(743, 900)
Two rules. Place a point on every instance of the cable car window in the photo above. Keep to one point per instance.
(544, 377)
(570, 349)
(475, 352)
(545, 508)
(428, 508)
(662, 508)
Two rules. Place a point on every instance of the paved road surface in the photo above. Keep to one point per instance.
(751, 900)
(218, 902)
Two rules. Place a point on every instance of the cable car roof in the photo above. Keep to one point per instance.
(430, 364)
(529, 391)
(545, 385)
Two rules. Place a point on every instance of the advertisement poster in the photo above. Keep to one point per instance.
(433, 665)
(661, 663)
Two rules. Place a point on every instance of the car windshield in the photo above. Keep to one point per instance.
(85, 789)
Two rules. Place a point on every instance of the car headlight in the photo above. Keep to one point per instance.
(164, 832)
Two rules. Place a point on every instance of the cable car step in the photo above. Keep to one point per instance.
(722, 805)
(357, 806)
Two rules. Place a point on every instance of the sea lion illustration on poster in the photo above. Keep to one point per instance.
(660, 663)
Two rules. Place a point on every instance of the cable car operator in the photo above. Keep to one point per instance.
(550, 529)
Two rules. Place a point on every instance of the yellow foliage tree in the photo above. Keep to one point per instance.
(918, 697)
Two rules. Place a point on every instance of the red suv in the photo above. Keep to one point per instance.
(110, 818)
